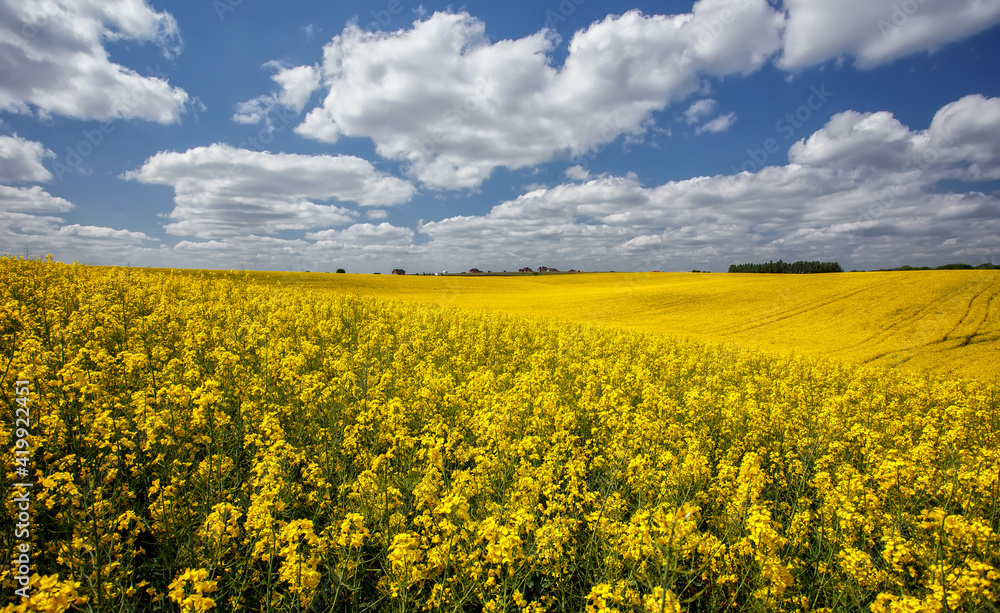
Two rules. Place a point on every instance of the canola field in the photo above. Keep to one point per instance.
(214, 443)
(942, 321)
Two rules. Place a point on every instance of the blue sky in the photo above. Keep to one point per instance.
(574, 134)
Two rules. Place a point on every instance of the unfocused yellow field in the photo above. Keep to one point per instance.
(177, 443)
(946, 321)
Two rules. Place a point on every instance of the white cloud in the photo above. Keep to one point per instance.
(36, 234)
(365, 236)
(856, 139)
(362, 247)
(22, 230)
(699, 110)
(878, 31)
(21, 160)
(32, 199)
(251, 246)
(56, 63)
(962, 142)
(966, 135)
(453, 105)
(101, 233)
(577, 173)
(717, 125)
(827, 203)
(223, 191)
(27, 223)
(296, 85)
(865, 190)
(377, 214)
(255, 110)
(204, 246)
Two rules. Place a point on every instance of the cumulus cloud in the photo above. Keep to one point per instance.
(700, 109)
(255, 110)
(829, 202)
(865, 190)
(878, 31)
(54, 60)
(966, 136)
(21, 160)
(577, 173)
(100, 233)
(452, 105)
(48, 234)
(24, 230)
(383, 237)
(28, 215)
(850, 138)
(443, 98)
(224, 191)
(263, 248)
(28, 227)
(359, 246)
(717, 125)
(296, 86)
(962, 142)
(32, 199)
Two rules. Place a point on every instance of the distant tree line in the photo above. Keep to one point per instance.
(959, 266)
(798, 268)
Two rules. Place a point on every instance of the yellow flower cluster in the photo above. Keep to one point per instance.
(196, 581)
(882, 318)
(48, 594)
(211, 443)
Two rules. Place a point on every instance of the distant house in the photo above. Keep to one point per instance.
(547, 269)
(526, 269)
(398, 271)
(475, 271)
